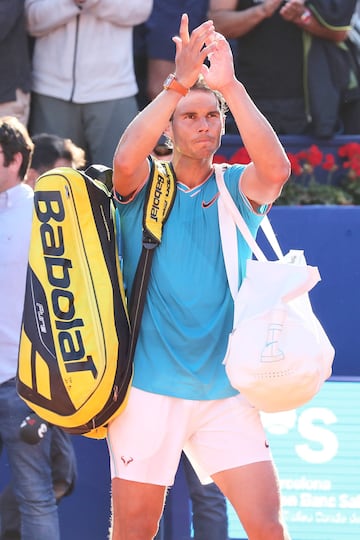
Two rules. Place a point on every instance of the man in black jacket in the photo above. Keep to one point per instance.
(15, 68)
(294, 61)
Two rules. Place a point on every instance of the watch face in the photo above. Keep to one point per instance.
(168, 80)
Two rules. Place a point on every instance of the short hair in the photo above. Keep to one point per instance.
(200, 84)
(49, 148)
(14, 138)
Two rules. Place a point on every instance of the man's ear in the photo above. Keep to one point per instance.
(223, 125)
(168, 131)
(16, 162)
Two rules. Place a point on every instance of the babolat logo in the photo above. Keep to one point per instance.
(50, 212)
(155, 206)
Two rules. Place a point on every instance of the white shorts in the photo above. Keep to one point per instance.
(145, 441)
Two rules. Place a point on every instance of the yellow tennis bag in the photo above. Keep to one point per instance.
(76, 346)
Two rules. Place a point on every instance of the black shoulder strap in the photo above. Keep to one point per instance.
(158, 203)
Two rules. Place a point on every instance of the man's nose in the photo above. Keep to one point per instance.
(203, 124)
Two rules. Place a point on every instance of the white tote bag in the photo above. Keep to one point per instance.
(278, 353)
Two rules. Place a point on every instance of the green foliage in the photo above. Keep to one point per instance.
(296, 193)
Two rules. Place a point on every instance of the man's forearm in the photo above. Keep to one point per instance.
(258, 136)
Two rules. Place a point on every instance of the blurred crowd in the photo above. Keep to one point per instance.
(81, 69)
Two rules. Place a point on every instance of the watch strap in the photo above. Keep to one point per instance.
(171, 83)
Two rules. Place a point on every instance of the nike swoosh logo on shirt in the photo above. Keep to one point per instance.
(211, 202)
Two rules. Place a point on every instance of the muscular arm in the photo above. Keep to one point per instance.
(269, 169)
(140, 137)
(130, 161)
(232, 23)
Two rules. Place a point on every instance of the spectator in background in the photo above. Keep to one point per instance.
(15, 69)
(208, 504)
(153, 45)
(270, 37)
(49, 151)
(64, 474)
(84, 85)
(52, 151)
(30, 465)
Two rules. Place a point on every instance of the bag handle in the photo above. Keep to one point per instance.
(161, 171)
(235, 214)
(229, 245)
(229, 218)
(241, 223)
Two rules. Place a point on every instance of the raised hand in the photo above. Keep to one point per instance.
(192, 50)
(221, 70)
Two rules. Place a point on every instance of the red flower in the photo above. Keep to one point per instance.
(314, 155)
(351, 151)
(302, 155)
(296, 167)
(329, 163)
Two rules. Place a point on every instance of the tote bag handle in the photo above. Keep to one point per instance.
(241, 223)
(229, 218)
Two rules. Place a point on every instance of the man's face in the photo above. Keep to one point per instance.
(197, 125)
(9, 174)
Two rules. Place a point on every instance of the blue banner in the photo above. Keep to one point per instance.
(317, 452)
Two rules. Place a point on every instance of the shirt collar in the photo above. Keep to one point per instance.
(11, 196)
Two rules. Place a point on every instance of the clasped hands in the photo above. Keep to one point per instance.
(193, 49)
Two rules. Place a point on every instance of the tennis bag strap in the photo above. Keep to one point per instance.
(158, 203)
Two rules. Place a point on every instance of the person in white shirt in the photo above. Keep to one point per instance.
(84, 85)
(30, 465)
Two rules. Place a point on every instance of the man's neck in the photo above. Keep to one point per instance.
(8, 183)
(192, 173)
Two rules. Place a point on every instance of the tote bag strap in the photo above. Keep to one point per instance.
(228, 233)
(235, 214)
(271, 237)
(241, 223)
(228, 212)
(229, 245)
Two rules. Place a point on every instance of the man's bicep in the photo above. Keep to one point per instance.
(127, 185)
